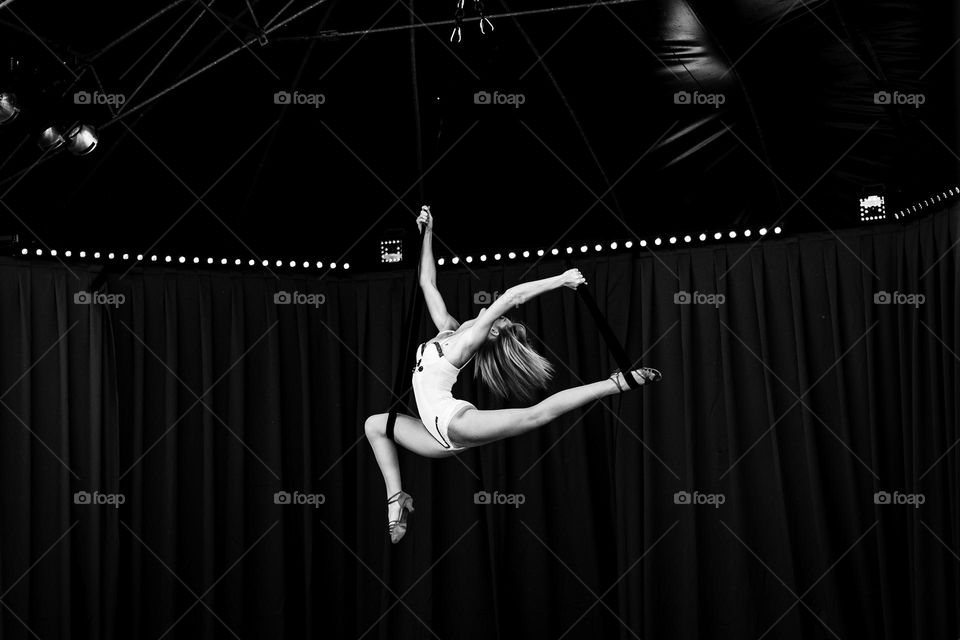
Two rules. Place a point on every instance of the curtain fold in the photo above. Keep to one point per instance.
(743, 495)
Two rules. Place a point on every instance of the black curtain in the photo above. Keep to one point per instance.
(789, 409)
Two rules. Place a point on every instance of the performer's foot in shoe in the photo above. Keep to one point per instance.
(399, 505)
(642, 376)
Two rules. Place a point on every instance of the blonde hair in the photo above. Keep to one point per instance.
(509, 366)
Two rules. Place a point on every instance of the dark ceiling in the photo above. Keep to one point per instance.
(600, 149)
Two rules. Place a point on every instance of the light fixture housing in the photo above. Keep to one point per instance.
(9, 107)
(82, 140)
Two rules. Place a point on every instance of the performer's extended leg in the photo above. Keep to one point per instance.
(474, 427)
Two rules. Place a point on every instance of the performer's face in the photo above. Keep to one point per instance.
(498, 325)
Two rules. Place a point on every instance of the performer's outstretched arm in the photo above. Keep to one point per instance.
(428, 277)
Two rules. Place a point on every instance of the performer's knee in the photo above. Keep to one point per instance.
(376, 426)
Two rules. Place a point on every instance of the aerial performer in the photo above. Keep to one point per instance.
(504, 361)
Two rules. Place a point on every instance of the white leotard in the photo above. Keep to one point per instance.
(433, 379)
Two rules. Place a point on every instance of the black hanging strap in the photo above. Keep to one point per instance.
(401, 380)
(616, 349)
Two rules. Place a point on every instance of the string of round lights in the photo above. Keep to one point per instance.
(927, 203)
(110, 256)
(614, 246)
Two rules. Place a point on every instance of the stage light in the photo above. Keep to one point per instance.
(39, 252)
(643, 243)
(125, 256)
(496, 256)
(391, 251)
(196, 260)
(469, 259)
(613, 246)
(511, 255)
(82, 139)
(873, 204)
(152, 258)
(629, 243)
(777, 229)
(569, 249)
(483, 258)
(252, 262)
(583, 248)
(687, 238)
(598, 248)
(673, 240)
(50, 140)
(717, 235)
(293, 263)
(139, 257)
(456, 260)
(9, 107)
(167, 259)
(763, 231)
(657, 242)
(440, 262)
(66, 253)
(319, 265)
(540, 252)
(746, 233)
(110, 255)
(53, 252)
(223, 261)
(703, 237)
(279, 263)
(554, 251)
(182, 259)
(733, 234)
(346, 265)
(209, 260)
(83, 254)
(526, 254)
(333, 265)
(24, 251)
